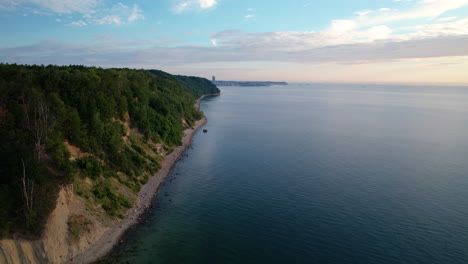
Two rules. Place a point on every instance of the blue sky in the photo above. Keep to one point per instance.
(409, 41)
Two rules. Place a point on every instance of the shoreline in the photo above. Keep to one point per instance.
(109, 239)
(197, 102)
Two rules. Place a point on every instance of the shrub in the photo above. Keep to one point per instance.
(77, 225)
(112, 202)
(90, 167)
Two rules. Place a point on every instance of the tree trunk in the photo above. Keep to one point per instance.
(28, 189)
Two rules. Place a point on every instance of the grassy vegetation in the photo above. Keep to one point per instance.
(112, 202)
(77, 225)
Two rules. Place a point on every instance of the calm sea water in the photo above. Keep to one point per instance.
(317, 173)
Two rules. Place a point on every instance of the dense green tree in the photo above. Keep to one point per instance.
(44, 107)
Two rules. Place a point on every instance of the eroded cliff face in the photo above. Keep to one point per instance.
(56, 245)
(21, 251)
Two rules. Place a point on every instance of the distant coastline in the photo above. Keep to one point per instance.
(247, 83)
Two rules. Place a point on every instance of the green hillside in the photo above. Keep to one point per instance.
(76, 124)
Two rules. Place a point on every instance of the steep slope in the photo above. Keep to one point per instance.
(195, 85)
(76, 146)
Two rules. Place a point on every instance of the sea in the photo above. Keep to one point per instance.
(316, 173)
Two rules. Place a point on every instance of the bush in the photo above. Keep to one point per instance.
(90, 167)
(77, 225)
(59, 152)
(113, 203)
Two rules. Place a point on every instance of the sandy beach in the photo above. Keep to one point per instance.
(112, 236)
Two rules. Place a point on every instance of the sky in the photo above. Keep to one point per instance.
(359, 41)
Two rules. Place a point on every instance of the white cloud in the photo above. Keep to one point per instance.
(340, 27)
(421, 9)
(455, 28)
(213, 41)
(181, 7)
(57, 6)
(340, 32)
(91, 12)
(377, 32)
(363, 13)
(207, 3)
(443, 19)
(78, 23)
(118, 14)
(9, 4)
(249, 13)
(372, 25)
(136, 14)
(185, 5)
(110, 19)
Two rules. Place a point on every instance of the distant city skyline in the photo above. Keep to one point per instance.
(363, 41)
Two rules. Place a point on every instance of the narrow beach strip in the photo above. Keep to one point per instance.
(112, 236)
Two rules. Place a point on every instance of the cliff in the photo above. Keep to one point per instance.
(80, 146)
(55, 246)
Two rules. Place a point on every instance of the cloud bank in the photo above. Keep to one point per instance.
(372, 36)
(85, 12)
(110, 53)
(57, 6)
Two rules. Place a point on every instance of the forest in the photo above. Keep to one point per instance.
(122, 121)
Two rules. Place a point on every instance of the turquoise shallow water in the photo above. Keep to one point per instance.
(319, 173)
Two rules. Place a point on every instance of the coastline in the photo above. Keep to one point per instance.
(197, 102)
(111, 237)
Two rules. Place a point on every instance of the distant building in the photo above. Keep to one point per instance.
(213, 78)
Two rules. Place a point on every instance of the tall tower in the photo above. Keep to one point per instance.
(213, 78)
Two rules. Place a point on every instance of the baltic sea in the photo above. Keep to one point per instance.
(316, 173)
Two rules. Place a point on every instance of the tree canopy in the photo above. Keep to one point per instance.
(44, 108)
